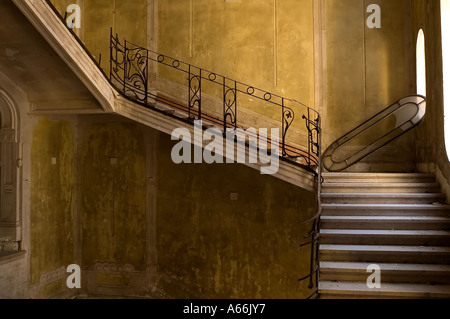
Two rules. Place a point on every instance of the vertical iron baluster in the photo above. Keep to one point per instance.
(110, 53)
(146, 70)
(311, 265)
(235, 105)
(310, 139)
(189, 92)
(229, 106)
(224, 105)
(125, 58)
(317, 251)
(283, 135)
(117, 61)
(200, 95)
(195, 94)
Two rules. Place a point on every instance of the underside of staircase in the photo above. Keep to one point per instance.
(398, 222)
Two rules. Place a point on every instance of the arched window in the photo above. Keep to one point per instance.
(420, 64)
(445, 25)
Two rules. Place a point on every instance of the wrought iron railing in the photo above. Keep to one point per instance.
(376, 132)
(129, 72)
(314, 242)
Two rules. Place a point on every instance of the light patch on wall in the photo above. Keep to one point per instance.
(421, 65)
(445, 25)
(113, 161)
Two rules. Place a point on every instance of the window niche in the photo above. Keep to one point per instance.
(10, 168)
(421, 64)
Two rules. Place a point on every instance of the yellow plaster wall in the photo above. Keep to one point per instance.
(205, 244)
(367, 70)
(127, 18)
(209, 246)
(112, 194)
(266, 44)
(52, 195)
(61, 5)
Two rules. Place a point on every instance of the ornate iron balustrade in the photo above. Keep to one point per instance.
(129, 70)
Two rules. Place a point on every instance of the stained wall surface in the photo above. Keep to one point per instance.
(52, 211)
(184, 235)
(106, 195)
(104, 192)
(210, 245)
(368, 69)
(112, 201)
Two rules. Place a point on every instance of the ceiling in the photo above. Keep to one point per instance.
(32, 64)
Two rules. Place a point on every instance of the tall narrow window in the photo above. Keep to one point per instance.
(445, 25)
(420, 64)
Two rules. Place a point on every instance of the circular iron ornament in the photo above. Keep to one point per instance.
(176, 64)
(161, 58)
(267, 96)
(250, 90)
(212, 76)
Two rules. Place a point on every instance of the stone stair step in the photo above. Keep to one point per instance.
(399, 221)
(385, 209)
(385, 237)
(379, 177)
(385, 254)
(381, 187)
(386, 222)
(390, 272)
(374, 198)
(329, 289)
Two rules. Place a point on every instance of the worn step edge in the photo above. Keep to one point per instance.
(379, 206)
(389, 272)
(383, 195)
(344, 176)
(378, 185)
(386, 248)
(407, 222)
(387, 289)
(362, 267)
(383, 232)
(378, 209)
(388, 218)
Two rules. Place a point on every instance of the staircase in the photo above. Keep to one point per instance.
(400, 222)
